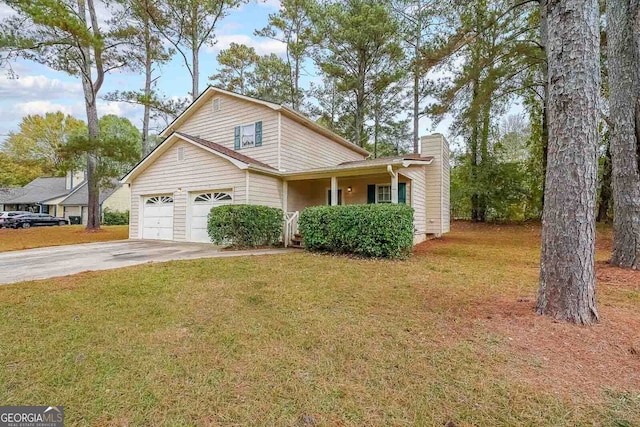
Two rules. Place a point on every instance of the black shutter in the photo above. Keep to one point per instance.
(371, 193)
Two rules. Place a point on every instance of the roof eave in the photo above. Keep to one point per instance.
(347, 171)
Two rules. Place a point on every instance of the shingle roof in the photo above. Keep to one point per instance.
(8, 193)
(80, 196)
(224, 150)
(41, 189)
(386, 160)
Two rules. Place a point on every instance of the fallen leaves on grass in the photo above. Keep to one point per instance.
(37, 237)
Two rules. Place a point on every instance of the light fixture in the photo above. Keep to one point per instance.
(349, 189)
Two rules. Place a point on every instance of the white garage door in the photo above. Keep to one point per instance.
(201, 204)
(157, 218)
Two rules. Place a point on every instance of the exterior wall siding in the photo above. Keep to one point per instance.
(417, 191)
(437, 176)
(119, 201)
(265, 190)
(219, 126)
(303, 148)
(199, 171)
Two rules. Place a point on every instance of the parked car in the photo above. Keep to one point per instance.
(4, 216)
(35, 220)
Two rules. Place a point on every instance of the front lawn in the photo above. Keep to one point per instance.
(301, 339)
(37, 237)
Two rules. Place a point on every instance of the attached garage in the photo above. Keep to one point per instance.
(157, 217)
(174, 188)
(200, 203)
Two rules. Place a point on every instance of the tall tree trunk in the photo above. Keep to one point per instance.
(484, 157)
(605, 187)
(567, 278)
(416, 92)
(623, 38)
(545, 94)
(195, 55)
(148, 62)
(91, 89)
(475, 198)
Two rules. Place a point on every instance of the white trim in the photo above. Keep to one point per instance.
(253, 145)
(246, 194)
(334, 191)
(279, 140)
(285, 196)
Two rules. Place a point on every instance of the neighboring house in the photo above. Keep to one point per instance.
(8, 193)
(229, 148)
(116, 197)
(65, 196)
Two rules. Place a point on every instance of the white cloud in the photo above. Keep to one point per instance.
(41, 107)
(37, 87)
(262, 46)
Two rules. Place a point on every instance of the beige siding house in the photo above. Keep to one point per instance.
(228, 148)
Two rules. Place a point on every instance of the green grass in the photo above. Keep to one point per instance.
(272, 340)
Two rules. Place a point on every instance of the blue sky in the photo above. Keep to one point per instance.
(38, 90)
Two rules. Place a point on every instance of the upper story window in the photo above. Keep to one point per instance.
(215, 104)
(248, 136)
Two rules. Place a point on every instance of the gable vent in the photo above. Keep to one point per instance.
(180, 154)
(216, 104)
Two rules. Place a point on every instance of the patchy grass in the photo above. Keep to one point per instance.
(304, 339)
(37, 237)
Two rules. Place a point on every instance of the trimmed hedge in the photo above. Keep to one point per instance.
(245, 226)
(115, 217)
(373, 230)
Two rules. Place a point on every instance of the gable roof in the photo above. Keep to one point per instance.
(240, 160)
(80, 195)
(292, 114)
(41, 189)
(224, 150)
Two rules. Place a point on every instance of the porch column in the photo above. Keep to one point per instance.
(285, 196)
(394, 188)
(334, 191)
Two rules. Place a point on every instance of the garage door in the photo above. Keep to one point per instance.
(157, 219)
(201, 204)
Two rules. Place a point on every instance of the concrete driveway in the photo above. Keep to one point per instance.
(55, 261)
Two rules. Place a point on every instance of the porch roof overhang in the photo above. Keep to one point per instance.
(365, 167)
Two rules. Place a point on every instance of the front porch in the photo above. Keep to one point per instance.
(387, 187)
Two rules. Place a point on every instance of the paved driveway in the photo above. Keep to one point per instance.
(43, 263)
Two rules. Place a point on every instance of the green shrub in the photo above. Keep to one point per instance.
(374, 230)
(245, 225)
(115, 217)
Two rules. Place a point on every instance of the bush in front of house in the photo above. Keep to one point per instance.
(245, 226)
(374, 230)
(115, 217)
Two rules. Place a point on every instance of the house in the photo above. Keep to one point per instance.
(229, 148)
(8, 193)
(64, 196)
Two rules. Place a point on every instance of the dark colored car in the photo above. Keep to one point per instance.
(4, 216)
(34, 220)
